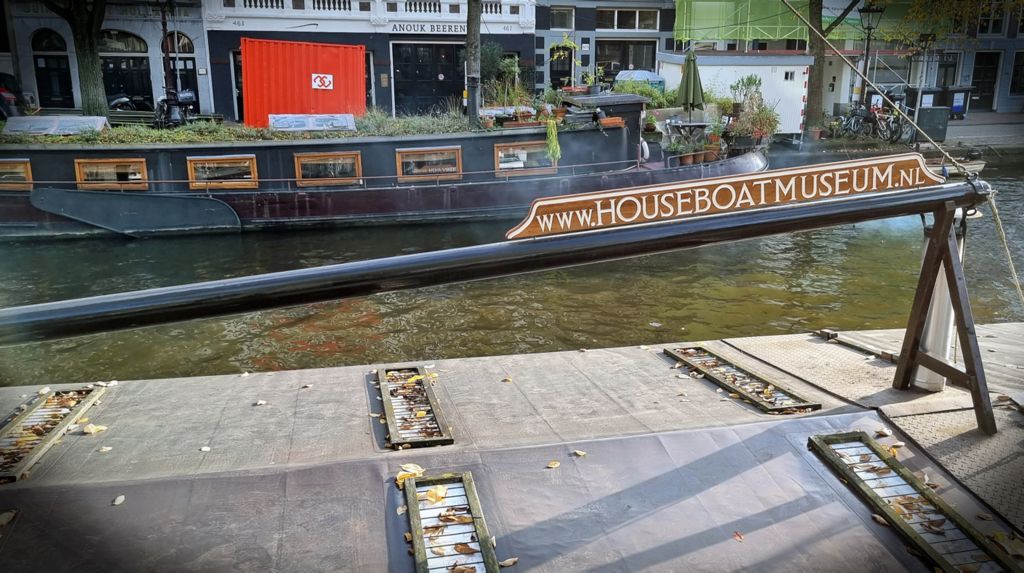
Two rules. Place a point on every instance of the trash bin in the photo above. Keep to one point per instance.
(956, 98)
(930, 97)
(933, 121)
(873, 99)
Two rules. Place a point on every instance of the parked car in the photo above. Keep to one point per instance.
(12, 100)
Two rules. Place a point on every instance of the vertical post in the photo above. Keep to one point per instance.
(867, 68)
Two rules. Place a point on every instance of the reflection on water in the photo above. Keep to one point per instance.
(848, 277)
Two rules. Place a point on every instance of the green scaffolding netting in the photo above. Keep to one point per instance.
(769, 20)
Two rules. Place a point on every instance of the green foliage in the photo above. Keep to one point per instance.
(744, 87)
(553, 97)
(491, 55)
(554, 149)
(375, 122)
(657, 97)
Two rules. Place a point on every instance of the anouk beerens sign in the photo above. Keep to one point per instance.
(673, 201)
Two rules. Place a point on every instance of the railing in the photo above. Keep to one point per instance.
(418, 7)
(348, 9)
(264, 4)
(332, 5)
(492, 7)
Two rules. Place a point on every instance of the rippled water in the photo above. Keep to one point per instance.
(851, 277)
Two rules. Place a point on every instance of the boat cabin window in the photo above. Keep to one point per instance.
(429, 163)
(522, 158)
(341, 168)
(16, 174)
(111, 174)
(222, 172)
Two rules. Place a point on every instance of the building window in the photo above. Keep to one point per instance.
(16, 174)
(365, 6)
(562, 18)
(758, 45)
(627, 19)
(223, 172)
(392, 6)
(111, 174)
(513, 10)
(991, 20)
(796, 45)
(454, 8)
(522, 158)
(429, 163)
(1017, 76)
(340, 168)
(789, 76)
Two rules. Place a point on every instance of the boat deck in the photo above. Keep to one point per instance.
(678, 474)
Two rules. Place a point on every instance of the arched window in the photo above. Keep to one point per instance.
(184, 44)
(46, 40)
(116, 41)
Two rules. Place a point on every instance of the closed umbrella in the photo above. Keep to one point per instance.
(691, 94)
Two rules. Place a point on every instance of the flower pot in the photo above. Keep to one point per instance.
(649, 127)
(595, 90)
(560, 112)
(698, 156)
(612, 122)
(711, 152)
(686, 159)
(713, 137)
(487, 122)
(816, 133)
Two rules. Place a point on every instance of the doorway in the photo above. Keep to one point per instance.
(426, 75)
(236, 78)
(178, 50)
(53, 70)
(984, 80)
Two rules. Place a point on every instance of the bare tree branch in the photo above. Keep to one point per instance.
(835, 23)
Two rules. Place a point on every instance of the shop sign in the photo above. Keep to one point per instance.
(678, 201)
(425, 28)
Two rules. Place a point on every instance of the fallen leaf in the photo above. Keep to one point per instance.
(463, 569)
(112, 383)
(83, 420)
(305, 386)
(883, 433)
(865, 457)
(892, 452)
(433, 530)
(415, 378)
(204, 449)
(457, 519)
(402, 509)
(260, 403)
(465, 549)
(898, 444)
(984, 516)
(655, 324)
(932, 485)
(7, 516)
(119, 500)
(579, 453)
(435, 495)
(408, 471)
(408, 537)
(93, 429)
(105, 449)
(421, 414)
(507, 380)
(677, 365)
(508, 562)
(382, 421)
(737, 536)
(44, 390)
(879, 519)
(374, 415)
(494, 541)
(438, 551)
(1002, 398)
(553, 464)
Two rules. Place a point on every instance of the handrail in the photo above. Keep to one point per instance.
(61, 319)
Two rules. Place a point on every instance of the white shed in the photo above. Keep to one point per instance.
(783, 79)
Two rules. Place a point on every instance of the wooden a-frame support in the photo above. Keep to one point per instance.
(942, 254)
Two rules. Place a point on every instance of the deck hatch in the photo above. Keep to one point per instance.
(769, 397)
(936, 530)
(452, 531)
(411, 408)
(30, 433)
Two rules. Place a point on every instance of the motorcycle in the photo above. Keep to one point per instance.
(175, 108)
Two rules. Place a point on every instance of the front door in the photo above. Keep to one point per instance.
(128, 76)
(53, 81)
(985, 76)
(426, 75)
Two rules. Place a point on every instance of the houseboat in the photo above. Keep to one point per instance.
(74, 190)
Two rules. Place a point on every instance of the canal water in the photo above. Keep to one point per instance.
(852, 277)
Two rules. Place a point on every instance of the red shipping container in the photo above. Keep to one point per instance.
(301, 77)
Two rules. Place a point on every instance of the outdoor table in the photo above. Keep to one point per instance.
(687, 129)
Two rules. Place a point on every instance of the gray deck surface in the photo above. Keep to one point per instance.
(303, 483)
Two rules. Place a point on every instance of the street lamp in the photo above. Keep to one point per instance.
(870, 14)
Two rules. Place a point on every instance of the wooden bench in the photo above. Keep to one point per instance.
(127, 117)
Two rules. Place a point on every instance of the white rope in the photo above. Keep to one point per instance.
(1006, 247)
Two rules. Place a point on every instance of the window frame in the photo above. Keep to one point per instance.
(572, 17)
(111, 185)
(300, 181)
(399, 153)
(995, 8)
(1013, 70)
(518, 172)
(21, 186)
(636, 28)
(254, 183)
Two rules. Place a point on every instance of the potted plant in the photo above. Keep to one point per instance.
(486, 121)
(555, 98)
(742, 90)
(674, 154)
(594, 79)
(765, 123)
(697, 151)
(650, 123)
(715, 130)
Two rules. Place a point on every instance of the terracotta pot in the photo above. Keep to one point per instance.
(698, 157)
(711, 152)
(487, 122)
(816, 133)
(560, 112)
(612, 122)
(686, 159)
(713, 137)
(649, 127)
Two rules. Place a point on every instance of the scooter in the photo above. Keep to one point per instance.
(174, 109)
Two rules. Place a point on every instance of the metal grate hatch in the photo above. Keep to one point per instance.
(447, 525)
(938, 533)
(411, 408)
(36, 428)
(769, 397)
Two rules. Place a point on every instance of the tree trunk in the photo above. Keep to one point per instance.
(816, 76)
(474, 10)
(90, 72)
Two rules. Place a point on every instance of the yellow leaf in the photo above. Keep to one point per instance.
(433, 530)
(463, 569)
(579, 453)
(435, 495)
(83, 420)
(465, 549)
(412, 468)
(415, 378)
(508, 562)
(553, 464)
(421, 414)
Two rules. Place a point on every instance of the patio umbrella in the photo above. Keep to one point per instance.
(691, 94)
